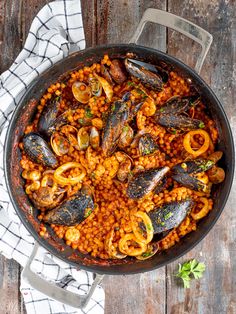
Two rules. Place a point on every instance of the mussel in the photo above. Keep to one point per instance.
(169, 215)
(38, 150)
(170, 115)
(48, 117)
(193, 166)
(117, 71)
(180, 122)
(72, 211)
(177, 104)
(160, 186)
(116, 120)
(147, 73)
(145, 181)
(147, 145)
(190, 182)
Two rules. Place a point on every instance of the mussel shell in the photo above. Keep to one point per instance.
(124, 170)
(116, 120)
(96, 87)
(169, 215)
(37, 149)
(178, 104)
(48, 117)
(72, 211)
(147, 145)
(142, 72)
(193, 166)
(106, 74)
(190, 182)
(160, 186)
(178, 122)
(145, 181)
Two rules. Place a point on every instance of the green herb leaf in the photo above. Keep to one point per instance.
(189, 270)
(88, 213)
(168, 215)
(130, 83)
(201, 125)
(88, 113)
(146, 254)
(161, 109)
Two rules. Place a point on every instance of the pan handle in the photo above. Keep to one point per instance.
(53, 291)
(179, 24)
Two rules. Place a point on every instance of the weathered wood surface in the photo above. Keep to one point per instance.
(113, 22)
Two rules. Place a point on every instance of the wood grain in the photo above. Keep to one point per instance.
(216, 292)
(114, 21)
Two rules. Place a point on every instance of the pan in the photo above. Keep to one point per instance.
(25, 112)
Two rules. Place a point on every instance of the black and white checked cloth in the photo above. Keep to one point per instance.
(56, 31)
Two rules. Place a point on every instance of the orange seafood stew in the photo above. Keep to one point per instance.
(120, 159)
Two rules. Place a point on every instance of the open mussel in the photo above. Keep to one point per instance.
(147, 73)
(147, 145)
(48, 117)
(96, 87)
(72, 211)
(116, 120)
(170, 215)
(145, 181)
(37, 149)
(126, 136)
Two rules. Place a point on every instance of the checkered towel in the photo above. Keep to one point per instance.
(56, 31)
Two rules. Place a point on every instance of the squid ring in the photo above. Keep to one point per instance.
(65, 181)
(148, 225)
(203, 148)
(204, 211)
(111, 250)
(124, 248)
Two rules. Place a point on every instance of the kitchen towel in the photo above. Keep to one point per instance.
(56, 31)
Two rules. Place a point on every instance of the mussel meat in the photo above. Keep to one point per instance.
(72, 211)
(117, 71)
(145, 181)
(81, 92)
(38, 150)
(48, 117)
(147, 145)
(147, 73)
(169, 215)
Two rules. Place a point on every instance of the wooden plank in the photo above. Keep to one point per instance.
(9, 292)
(216, 291)
(116, 22)
(10, 31)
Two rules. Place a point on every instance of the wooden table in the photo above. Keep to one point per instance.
(114, 21)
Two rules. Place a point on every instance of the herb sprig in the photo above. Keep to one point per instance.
(189, 270)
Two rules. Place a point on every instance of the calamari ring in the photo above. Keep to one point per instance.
(124, 248)
(203, 148)
(148, 225)
(204, 211)
(109, 247)
(65, 181)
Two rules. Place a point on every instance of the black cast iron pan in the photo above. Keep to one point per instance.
(24, 114)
